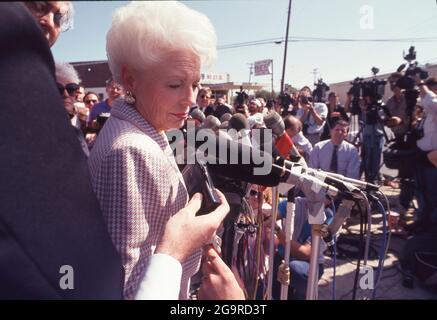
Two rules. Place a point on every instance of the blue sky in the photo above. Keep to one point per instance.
(251, 20)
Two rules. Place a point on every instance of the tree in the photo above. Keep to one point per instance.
(266, 95)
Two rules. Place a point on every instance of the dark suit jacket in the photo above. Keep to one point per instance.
(49, 216)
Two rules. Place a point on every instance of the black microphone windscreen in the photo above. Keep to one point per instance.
(239, 162)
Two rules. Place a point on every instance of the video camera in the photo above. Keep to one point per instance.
(285, 99)
(402, 153)
(241, 97)
(319, 93)
(373, 89)
(355, 91)
(407, 82)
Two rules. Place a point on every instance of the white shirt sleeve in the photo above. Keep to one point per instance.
(429, 102)
(162, 279)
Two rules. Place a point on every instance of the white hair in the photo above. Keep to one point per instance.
(142, 32)
(67, 21)
(65, 73)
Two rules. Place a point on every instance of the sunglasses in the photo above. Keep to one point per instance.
(91, 100)
(70, 87)
(253, 193)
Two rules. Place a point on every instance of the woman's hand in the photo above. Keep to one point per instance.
(185, 232)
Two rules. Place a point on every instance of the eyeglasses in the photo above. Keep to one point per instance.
(205, 96)
(42, 8)
(91, 100)
(115, 87)
(70, 87)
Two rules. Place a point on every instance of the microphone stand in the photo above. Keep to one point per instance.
(260, 219)
(316, 222)
(289, 229)
(275, 200)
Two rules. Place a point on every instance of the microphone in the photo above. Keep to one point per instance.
(363, 185)
(211, 122)
(233, 159)
(283, 141)
(224, 125)
(340, 217)
(311, 186)
(238, 122)
(349, 190)
(197, 115)
(225, 117)
(274, 122)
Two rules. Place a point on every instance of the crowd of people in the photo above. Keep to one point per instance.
(116, 170)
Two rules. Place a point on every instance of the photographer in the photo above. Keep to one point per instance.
(399, 123)
(375, 115)
(335, 112)
(428, 95)
(312, 115)
(426, 172)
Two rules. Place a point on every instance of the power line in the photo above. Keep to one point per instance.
(315, 39)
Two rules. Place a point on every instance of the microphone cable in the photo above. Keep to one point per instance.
(334, 238)
(386, 242)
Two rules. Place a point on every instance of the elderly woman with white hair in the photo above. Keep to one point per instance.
(155, 50)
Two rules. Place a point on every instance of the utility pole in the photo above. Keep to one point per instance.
(285, 49)
(250, 71)
(315, 75)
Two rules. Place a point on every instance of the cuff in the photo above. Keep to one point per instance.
(162, 279)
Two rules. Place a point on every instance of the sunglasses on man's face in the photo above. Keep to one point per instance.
(70, 87)
(90, 100)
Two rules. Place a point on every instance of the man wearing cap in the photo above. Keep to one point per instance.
(256, 118)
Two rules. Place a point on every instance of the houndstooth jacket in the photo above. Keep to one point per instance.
(139, 187)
